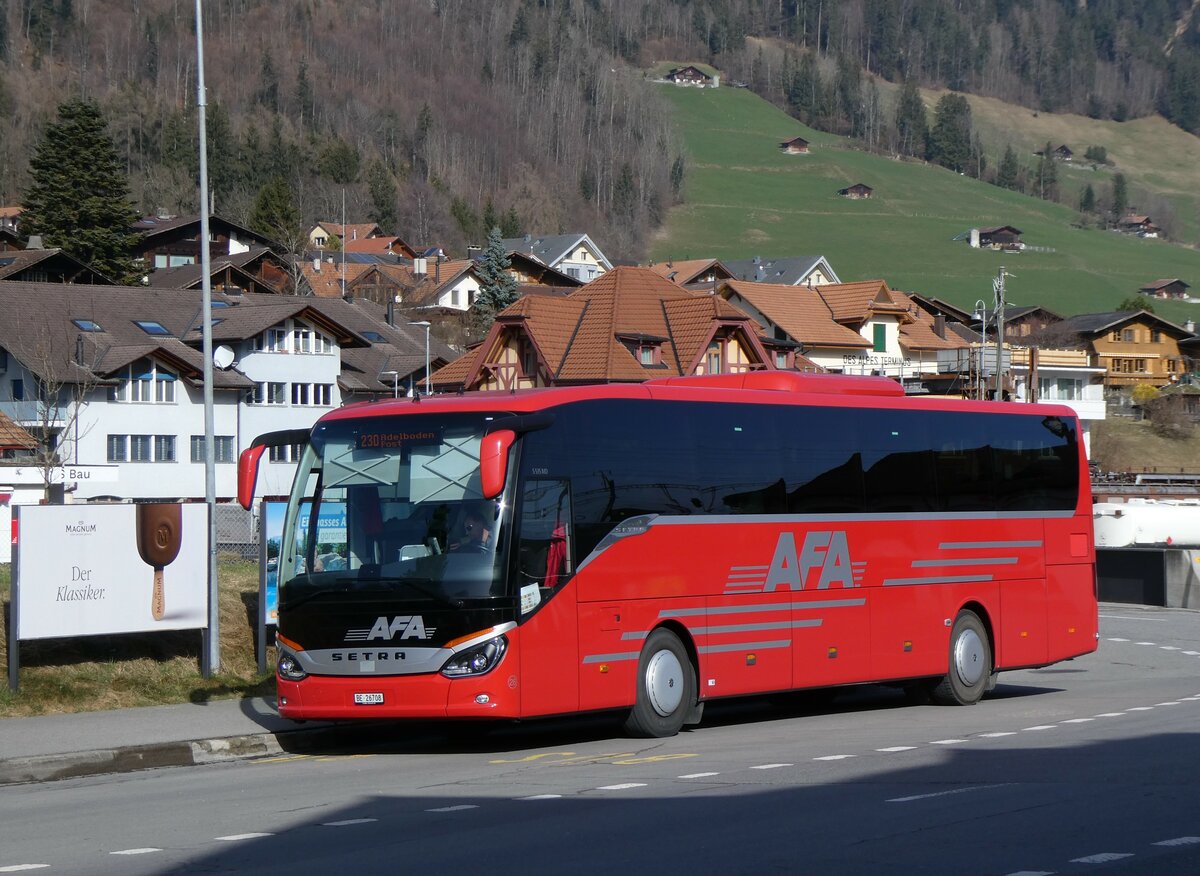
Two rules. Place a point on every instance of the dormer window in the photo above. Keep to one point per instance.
(648, 354)
(145, 382)
(87, 325)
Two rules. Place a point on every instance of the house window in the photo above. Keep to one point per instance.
(286, 453)
(302, 340)
(271, 341)
(323, 394)
(164, 448)
(781, 359)
(880, 332)
(222, 448)
(1128, 335)
(141, 447)
(87, 325)
(319, 240)
(17, 389)
(151, 327)
(1156, 336)
(646, 354)
(144, 381)
(178, 261)
(300, 394)
(118, 448)
(1116, 335)
(454, 298)
(269, 393)
(713, 358)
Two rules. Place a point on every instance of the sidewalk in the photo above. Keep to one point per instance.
(93, 743)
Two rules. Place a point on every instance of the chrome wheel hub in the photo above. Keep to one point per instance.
(664, 682)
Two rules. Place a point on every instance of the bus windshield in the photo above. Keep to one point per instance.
(393, 507)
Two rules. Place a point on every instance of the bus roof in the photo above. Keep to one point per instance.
(754, 387)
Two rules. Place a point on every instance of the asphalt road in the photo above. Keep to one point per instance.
(1088, 766)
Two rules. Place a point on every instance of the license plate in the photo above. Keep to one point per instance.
(368, 699)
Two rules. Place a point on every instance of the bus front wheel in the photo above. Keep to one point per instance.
(666, 687)
(970, 663)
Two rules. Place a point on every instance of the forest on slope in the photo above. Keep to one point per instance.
(439, 118)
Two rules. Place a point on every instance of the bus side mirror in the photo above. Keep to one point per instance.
(493, 461)
(248, 474)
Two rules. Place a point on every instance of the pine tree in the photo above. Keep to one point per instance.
(1006, 173)
(950, 139)
(1087, 201)
(383, 195)
(912, 126)
(1120, 197)
(498, 288)
(1047, 175)
(275, 213)
(79, 197)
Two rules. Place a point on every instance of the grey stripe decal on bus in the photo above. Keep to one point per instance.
(977, 561)
(986, 545)
(773, 606)
(732, 628)
(947, 579)
(744, 646)
(612, 658)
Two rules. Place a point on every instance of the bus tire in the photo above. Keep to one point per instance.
(666, 687)
(970, 668)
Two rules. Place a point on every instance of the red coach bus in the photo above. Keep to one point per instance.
(650, 547)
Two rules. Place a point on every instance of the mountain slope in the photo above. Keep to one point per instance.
(744, 197)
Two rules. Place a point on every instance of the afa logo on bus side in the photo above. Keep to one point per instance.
(823, 561)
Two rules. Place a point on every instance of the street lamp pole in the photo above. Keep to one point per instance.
(395, 382)
(981, 380)
(428, 385)
(998, 287)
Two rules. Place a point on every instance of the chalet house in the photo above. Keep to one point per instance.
(856, 192)
(1022, 321)
(626, 326)
(691, 75)
(695, 275)
(788, 271)
(48, 266)
(1134, 347)
(1172, 288)
(9, 216)
(1135, 223)
(1004, 237)
(794, 146)
(853, 328)
(331, 235)
(529, 272)
(174, 241)
(572, 254)
(258, 269)
(10, 241)
(1060, 153)
(121, 368)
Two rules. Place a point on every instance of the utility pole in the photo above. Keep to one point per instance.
(998, 288)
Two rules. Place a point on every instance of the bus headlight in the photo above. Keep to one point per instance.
(479, 660)
(290, 670)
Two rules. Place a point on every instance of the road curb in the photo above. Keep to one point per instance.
(52, 767)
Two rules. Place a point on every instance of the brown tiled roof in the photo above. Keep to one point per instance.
(352, 231)
(579, 337)
(921, 332)
(13, 437)
(1162, 284)
(855, 302)
(799, 311)
(326, 281)
(683, 272)
(372, 244)
(10, 212)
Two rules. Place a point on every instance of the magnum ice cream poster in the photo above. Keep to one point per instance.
(94, 569)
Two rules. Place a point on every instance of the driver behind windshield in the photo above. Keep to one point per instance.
(477, 534)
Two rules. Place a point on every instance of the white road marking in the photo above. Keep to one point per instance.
(1192, 653)
(17, 868)
(835, 757)
(998, 735)
(1102, 858)
(1168, 647)
(135, 851)
(1039, 727)
(1179, 841)
(1078, 720)
(698, 775)
(1169, 703)
(897, 748)
(1141, 709)
(947, 741)
(942, 793)
(234, 837)
(1145, 643)
(461, 807)
(624, 786)
(542, 797)
(1110, 714)
(347, 822)
(771, 766)
(1118, 640)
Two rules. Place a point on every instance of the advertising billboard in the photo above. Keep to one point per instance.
(85, 570)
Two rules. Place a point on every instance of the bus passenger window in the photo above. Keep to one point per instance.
(543, 554)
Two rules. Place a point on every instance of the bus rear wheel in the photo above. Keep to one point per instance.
(970, 663)
(666, 687)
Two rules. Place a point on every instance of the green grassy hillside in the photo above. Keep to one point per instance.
(744, 197)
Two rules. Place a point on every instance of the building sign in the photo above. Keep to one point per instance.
(98, 569)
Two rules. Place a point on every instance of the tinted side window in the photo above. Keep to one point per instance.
(1037, 464)
(821, 461)
(897, 461)
(962, 461)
